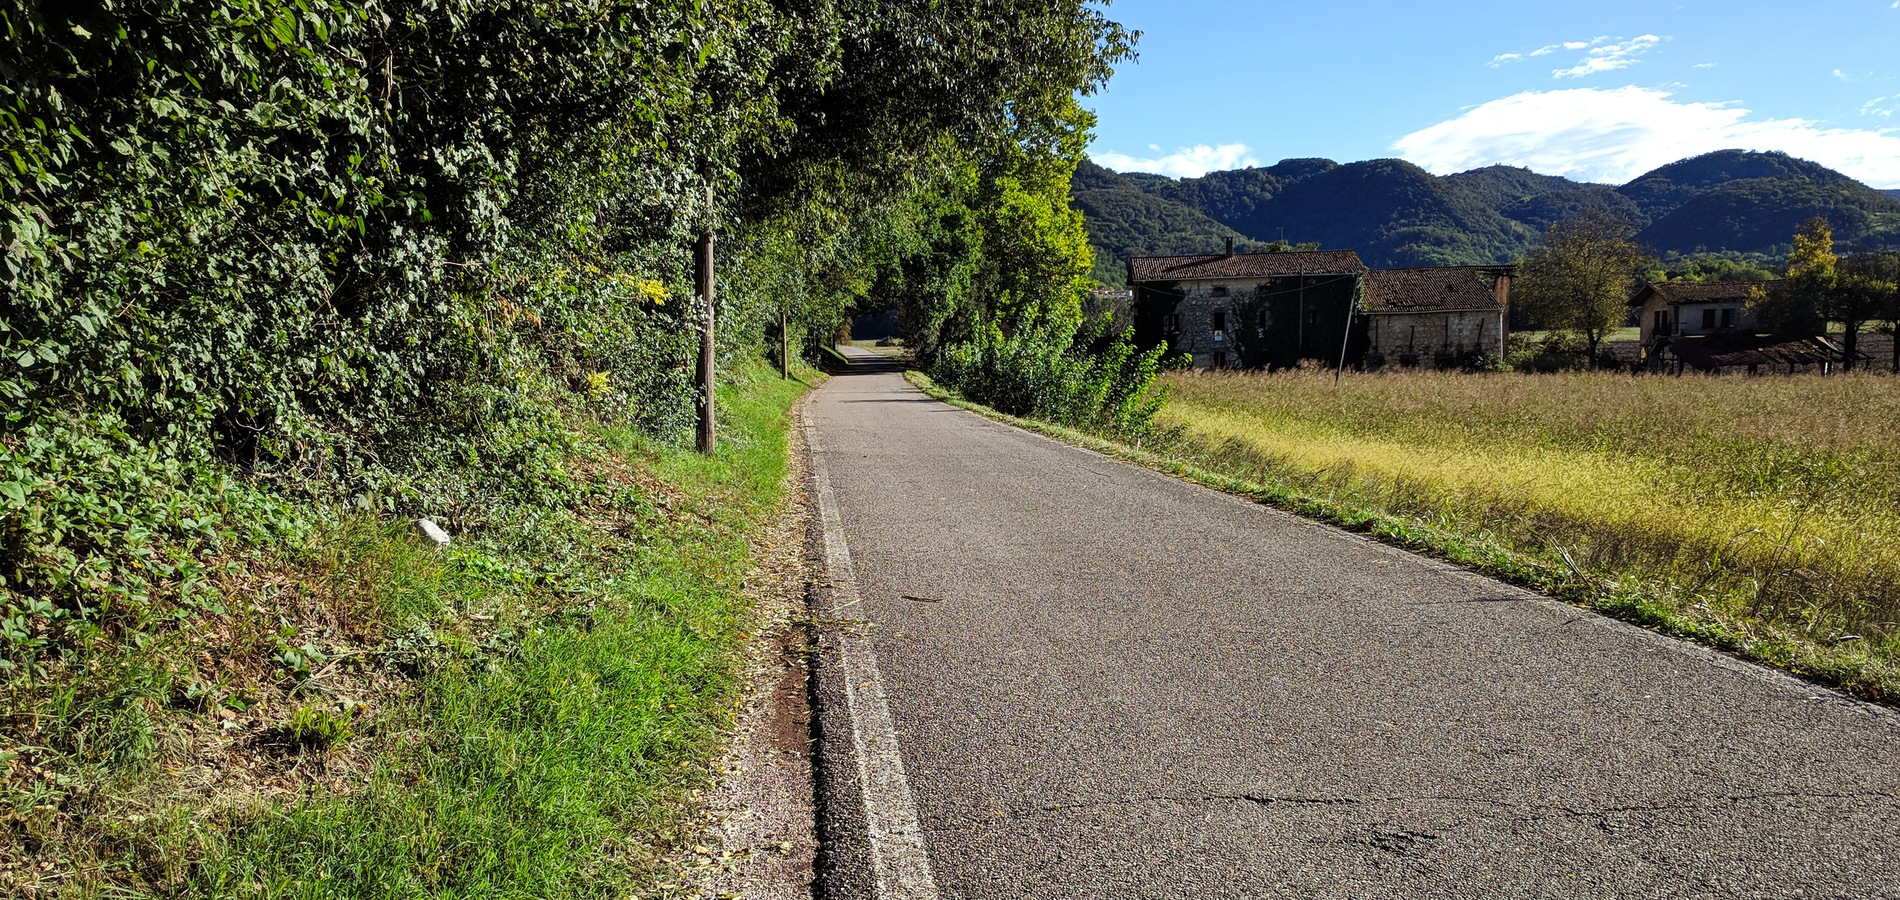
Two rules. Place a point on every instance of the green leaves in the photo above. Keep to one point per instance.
(346, 247)
(1579, 279)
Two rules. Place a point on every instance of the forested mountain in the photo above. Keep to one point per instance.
(1395, 214)
(1124, 220)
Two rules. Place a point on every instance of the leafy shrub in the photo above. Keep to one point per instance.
(1559, 351)
(1481, 361)
(1087, 378)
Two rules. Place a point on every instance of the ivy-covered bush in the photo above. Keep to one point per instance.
(360, 249)
(389, 253)
(1086, 379)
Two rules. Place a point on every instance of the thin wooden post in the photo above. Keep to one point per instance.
(708, 348)
(784, 342)
(1300, 353)
(1352, 306)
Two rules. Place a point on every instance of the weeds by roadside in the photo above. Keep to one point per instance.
(523, 714)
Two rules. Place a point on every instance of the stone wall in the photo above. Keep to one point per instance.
(1432, 340)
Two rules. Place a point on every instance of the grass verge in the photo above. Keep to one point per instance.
(1543, 499)
(526, 714)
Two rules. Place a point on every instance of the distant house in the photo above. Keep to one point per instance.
(1272, 310)
(1675, 309)
(1708, 327)
(1439, 317)
(1248, 310)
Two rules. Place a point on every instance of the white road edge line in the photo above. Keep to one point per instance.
(900, 864)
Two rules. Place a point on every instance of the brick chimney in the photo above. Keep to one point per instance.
(1230, 245)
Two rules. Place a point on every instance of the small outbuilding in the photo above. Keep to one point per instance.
(1439, 317)
(1756, 354)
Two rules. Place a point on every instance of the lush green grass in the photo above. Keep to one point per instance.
(523, 715)
(1758, 515)
(1533, 336)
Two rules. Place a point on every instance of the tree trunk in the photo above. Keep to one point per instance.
(1850, 343)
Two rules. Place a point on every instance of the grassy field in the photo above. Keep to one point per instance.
(1532, 336)
(525, 714)
(1762, 514)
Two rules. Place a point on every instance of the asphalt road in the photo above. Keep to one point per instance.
(1107, 683)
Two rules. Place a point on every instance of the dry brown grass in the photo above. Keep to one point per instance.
(1776, 499)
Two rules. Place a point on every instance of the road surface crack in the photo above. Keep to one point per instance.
(1576, 810)
(1260, 799)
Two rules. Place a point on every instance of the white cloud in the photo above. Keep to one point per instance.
(1880, 106)
(1545, 50)
(1606, 54)
(1186, 162)
(1610, 57)
(1614, 135)
(1706, 65)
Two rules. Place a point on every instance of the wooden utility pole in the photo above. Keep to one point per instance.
(785, 341)
(708, 350)
(1352, 306)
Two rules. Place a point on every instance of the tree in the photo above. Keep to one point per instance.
(1718, 268)
(1821, 287)
(1797, 305)
(1579, 278)
(1871, 285)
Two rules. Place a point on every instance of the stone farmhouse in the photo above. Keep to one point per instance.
(1439, 317)
(1274, 310)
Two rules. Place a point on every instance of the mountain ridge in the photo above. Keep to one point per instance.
(1730, 202)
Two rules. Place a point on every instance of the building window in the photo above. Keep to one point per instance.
(1728, 318)
(1220, 320)
(1220, 360)
(1219, 290)
(1171, 322)
(1708, 320)
(1662, 323)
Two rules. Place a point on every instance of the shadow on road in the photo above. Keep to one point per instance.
(864, 362)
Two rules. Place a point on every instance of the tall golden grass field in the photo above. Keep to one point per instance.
(1776, 499)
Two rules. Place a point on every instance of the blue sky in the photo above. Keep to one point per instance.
(1596, 91)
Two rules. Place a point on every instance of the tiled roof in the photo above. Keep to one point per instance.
(1676, 293)
(1441, 287)
(1243, 265)
(1723, 351)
